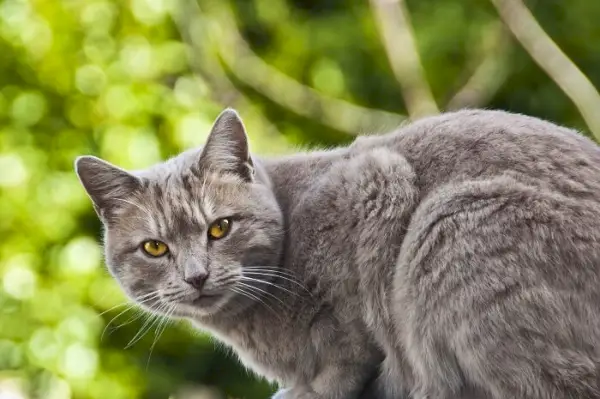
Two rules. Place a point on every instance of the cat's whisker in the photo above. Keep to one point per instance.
(155, 321)
(147, 326)
(246, 278)
(288, 276)
(140, 300)
(135, 337)
(127, 303)
(260, 291)
(148, 297)
(148, 294)
(241, 291)
(269, 274)
(271, 269)
(131, 306)
(162, 326)
(139, 313)
(275, 271)
(113, 308)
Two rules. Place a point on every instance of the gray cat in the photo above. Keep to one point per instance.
(458, 256)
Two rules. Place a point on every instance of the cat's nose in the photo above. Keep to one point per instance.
(197, 280)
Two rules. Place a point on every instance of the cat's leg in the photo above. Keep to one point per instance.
(333, 382)
(381, 184)
(365, 201)
(394, 381)
(494, 289)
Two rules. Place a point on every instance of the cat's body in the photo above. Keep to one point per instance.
(464, 249)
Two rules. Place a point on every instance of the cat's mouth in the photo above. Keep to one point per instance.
(193, 298)
(205, 299)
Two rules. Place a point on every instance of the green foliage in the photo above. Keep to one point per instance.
(114, 79)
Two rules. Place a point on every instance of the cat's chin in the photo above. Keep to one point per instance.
(202, 306)
(206, 300)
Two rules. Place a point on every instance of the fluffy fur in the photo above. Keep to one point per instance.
(456, 257)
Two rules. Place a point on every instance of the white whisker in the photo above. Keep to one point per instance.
(146, 327)
(255, 289)
(114, 307)
(241, 291)
(270, 269)
(140, 300)
(162, 326)
(269, 273)
(246, 278)
(114, 318)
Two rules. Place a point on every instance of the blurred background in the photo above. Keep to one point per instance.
(136, 81)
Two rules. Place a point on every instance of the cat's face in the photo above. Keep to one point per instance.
(188, 237)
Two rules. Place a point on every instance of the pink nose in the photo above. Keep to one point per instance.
(197, 280)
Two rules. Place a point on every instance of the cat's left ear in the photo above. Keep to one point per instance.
(226, 149)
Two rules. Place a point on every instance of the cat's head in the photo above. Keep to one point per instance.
(182, 237)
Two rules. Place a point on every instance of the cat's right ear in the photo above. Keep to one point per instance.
(106, 185)
(226, 149)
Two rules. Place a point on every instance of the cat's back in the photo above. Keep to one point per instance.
(470, 144)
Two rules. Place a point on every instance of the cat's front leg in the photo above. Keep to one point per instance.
(333, 382)
(295, 393)
(393, 382)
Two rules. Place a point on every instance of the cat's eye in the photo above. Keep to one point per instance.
(155, 248)
(219, 229)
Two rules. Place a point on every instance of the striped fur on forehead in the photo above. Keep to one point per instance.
(189, 201)
(177, 205)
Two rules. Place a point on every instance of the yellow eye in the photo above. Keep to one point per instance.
(155, 248)
(219, 229)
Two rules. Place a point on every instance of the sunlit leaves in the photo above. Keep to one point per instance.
(28, 108)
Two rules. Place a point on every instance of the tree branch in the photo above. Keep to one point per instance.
(285, 91)
(552, 59)
(489, 74)
(204, 63)
(395, 29)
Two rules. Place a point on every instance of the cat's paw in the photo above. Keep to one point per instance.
(294, 393)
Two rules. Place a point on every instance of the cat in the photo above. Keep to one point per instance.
(457, 254)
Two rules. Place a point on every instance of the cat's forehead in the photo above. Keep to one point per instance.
(199, 198)
(181, 195)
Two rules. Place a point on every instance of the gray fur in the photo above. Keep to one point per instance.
(459, 255)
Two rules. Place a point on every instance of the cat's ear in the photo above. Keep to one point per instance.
(226, 149)
(107, 185)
